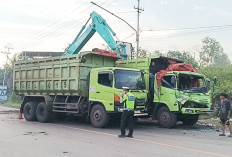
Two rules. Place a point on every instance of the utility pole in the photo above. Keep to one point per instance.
(8, 47)
(117, 17)
(137, 34)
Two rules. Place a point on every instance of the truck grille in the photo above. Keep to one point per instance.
(140, 102)
(190, 104)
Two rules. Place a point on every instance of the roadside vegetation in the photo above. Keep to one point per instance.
(13, 100)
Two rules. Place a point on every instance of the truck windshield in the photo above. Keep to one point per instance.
(192, 84)
(128, 78)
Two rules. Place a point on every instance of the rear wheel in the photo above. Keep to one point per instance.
(29, 111)
(166, 118)
(98, 116)
(43, 112)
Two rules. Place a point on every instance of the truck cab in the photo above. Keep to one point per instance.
(186, 94)
(178, 95)
(106, 86)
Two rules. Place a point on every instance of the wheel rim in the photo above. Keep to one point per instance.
(165, 117)
(97, 116)
(41, 111)
(28, 111)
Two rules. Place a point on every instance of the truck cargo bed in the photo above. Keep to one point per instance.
(65, 75)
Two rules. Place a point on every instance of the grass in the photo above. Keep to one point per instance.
(11, 104)
(13, 101)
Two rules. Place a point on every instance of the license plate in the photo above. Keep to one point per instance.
(137, 112)
(202, 109)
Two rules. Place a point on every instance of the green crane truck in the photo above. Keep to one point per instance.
(174, 98)
(86, 84)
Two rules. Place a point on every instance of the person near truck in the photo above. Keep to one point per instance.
(225, 114)
(128, 101)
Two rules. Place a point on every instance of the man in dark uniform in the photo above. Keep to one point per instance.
(128, 101)
(225, 113)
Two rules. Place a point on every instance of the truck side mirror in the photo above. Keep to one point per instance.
(110, 77)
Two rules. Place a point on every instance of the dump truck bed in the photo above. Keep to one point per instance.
(65, 75)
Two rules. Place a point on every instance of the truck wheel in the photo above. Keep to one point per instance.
(43, 112)
(98, 116)
(166, 118)
(190, 120)
(29, 111)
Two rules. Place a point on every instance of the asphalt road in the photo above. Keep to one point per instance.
(20, 138)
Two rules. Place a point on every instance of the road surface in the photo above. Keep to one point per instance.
(20, 138)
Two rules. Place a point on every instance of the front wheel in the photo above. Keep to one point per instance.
(166, 118)
(98, 116)
(191, 120)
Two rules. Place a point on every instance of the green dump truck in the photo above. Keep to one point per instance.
(175, 97)
(86, 84)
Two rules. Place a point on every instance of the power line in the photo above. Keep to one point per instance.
(58, 30)
(187, 34)
(128, 36)
(124, 12)
(202, 27)
(49, 27)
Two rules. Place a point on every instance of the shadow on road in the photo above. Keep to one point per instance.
(141, 124)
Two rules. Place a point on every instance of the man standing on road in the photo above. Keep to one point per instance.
(225, 114)
(128, 101)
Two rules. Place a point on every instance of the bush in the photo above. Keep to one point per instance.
(13, 98)
(223, 73)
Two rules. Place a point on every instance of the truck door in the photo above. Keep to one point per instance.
(167, 94)
(104, 89)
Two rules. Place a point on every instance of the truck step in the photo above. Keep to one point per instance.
(64, 107)
(65, 111)
(140, 114)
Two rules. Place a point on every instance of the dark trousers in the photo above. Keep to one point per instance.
(21, 108)
(127, 119)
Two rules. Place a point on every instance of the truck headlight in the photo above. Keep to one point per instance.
(189, 111)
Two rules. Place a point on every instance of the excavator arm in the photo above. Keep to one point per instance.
(98, 24)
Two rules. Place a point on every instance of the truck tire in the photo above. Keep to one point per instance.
(166, 118)
(43, 112)
(98, 116)
(191, 120)
(29, 111)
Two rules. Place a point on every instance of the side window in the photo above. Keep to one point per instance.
(169, 81)
(105, 79)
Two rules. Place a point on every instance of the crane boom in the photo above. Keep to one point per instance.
(98, 25)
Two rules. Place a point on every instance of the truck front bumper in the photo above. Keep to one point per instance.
(195, 110)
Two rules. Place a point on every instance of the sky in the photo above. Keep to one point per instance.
(51, 25)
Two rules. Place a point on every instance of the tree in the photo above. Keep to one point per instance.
(223, 73)
(184, 56)
(157, 52)
(142, 54)
(1, 75)
(209, 51)
(222, 60)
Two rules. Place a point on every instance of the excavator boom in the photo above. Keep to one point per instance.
(98, 25)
